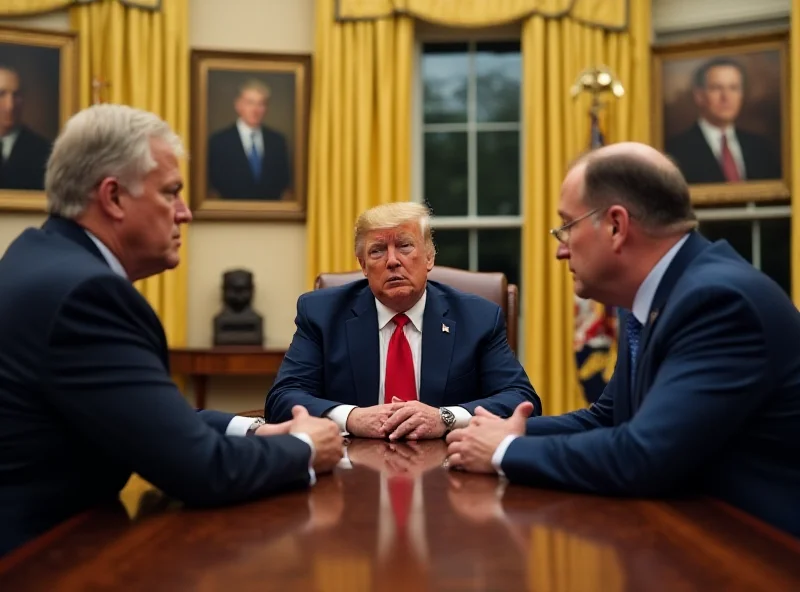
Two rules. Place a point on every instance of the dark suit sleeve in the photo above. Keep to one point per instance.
(600, 414)
(300, 380)
(284, 167)
(503, 379)
(713, 377)
(108, 382)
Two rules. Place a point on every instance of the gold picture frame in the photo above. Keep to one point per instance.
(761, 121)
(233, 95)
(41, 66)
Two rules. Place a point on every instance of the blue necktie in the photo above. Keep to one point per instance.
(634, 330)
(255, 159)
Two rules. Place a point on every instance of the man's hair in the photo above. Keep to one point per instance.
(102, 141)
(392, 215)
(699, 80)
(256, 85)
(657, 196)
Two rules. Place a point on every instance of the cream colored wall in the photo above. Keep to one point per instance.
(275, 252)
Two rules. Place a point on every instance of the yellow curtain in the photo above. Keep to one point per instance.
(360, 145)
(29, 7)
(142, 57)
(556, 131)
(609, 14)
(794, 133)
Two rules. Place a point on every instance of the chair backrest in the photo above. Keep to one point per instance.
(490, 285)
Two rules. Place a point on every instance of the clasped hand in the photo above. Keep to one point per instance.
(399, 419)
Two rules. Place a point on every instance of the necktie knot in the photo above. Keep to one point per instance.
(401, 320)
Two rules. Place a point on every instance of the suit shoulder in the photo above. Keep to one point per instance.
(34, 139)
(222, 134)
(271, 134)
(334, 294)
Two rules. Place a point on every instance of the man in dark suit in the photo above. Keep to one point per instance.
(705, 397)
(395, 354)
(248, 160)
(23, 152)
(85, 392)
(714, 150)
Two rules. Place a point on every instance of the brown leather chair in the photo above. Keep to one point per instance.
(490, 285)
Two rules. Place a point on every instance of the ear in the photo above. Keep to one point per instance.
(429, 259)
(108, 198)
(619, 225)
(362, 262)
(699, 96)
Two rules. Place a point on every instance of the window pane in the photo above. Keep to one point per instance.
(776, 242)
(445, 67)
(498, 173)
(498, 68)
(738, 233)
(446, 173)
(499, 250)
(452, 248)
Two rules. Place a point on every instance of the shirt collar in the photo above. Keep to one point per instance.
(714, 133)
(414, 314)
(647, 291)
(112, 261)
(245, 129)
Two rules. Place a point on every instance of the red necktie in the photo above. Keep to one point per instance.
(400, 380)
(401, 490)
(729, 168)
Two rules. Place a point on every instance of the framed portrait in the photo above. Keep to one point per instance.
(38, 93)
(721, 111)
(250, 117)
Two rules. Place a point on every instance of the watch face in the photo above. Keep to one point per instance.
(447, 417)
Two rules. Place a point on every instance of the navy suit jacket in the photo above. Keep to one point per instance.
(333, 357)
(715, 405)
(699, 165)
(25, 166)
(229, 171)
(86, 397)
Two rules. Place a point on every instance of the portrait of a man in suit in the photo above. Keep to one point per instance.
(716, 149)
(249, 160)
(23, 151)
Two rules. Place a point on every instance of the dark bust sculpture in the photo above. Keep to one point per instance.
(238, 323)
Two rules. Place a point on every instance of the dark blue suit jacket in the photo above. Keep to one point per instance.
(86, 397)
(715, 407)
(333, 358)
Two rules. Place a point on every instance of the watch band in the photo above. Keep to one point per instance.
(257, 423)
(448, 418)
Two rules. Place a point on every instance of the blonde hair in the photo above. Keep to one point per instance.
(255, 85)
(392, 215)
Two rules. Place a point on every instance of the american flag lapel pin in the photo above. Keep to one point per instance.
(445, 328)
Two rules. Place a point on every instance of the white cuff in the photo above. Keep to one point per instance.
(312, 476)
(339, 415)
(239, 425)
(500, 452)
(463, 416)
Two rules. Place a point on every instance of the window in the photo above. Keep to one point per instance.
(761, 233)
(468, 153)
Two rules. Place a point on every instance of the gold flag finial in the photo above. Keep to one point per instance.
(597, 80)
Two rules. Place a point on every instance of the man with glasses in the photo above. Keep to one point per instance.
(705, 397)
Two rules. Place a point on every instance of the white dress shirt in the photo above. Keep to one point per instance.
(640, 309)
(238, 425)
(249, 136)
(413, 333)
(713, 136)
(8, 143)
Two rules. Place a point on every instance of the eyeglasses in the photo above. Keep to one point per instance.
(562, 232)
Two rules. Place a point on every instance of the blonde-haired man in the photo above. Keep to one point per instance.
(396, 355)
(248, 160)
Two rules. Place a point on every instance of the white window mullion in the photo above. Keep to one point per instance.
(473, 249)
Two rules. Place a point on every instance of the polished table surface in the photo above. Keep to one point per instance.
(462, 532)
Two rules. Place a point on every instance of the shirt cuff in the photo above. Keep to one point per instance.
(239, 425)
(500, 452)
(463, 416)
(312, 476)
(339, 415)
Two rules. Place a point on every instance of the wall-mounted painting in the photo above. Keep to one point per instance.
(38, 93)
(721, 112)
(249, 135)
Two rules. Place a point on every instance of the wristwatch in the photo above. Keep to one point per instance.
(448, 418)
(257, 423)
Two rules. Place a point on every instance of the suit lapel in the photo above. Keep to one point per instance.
(364, 348)
(693, 246)
(622, 405)
(437, 347)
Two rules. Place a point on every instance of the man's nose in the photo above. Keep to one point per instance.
(183, 215)
(562, 252)
(391, 257)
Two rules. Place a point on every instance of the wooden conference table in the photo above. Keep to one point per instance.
(460, 532)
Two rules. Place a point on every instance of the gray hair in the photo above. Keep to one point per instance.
(102, 141)
(392, 215)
